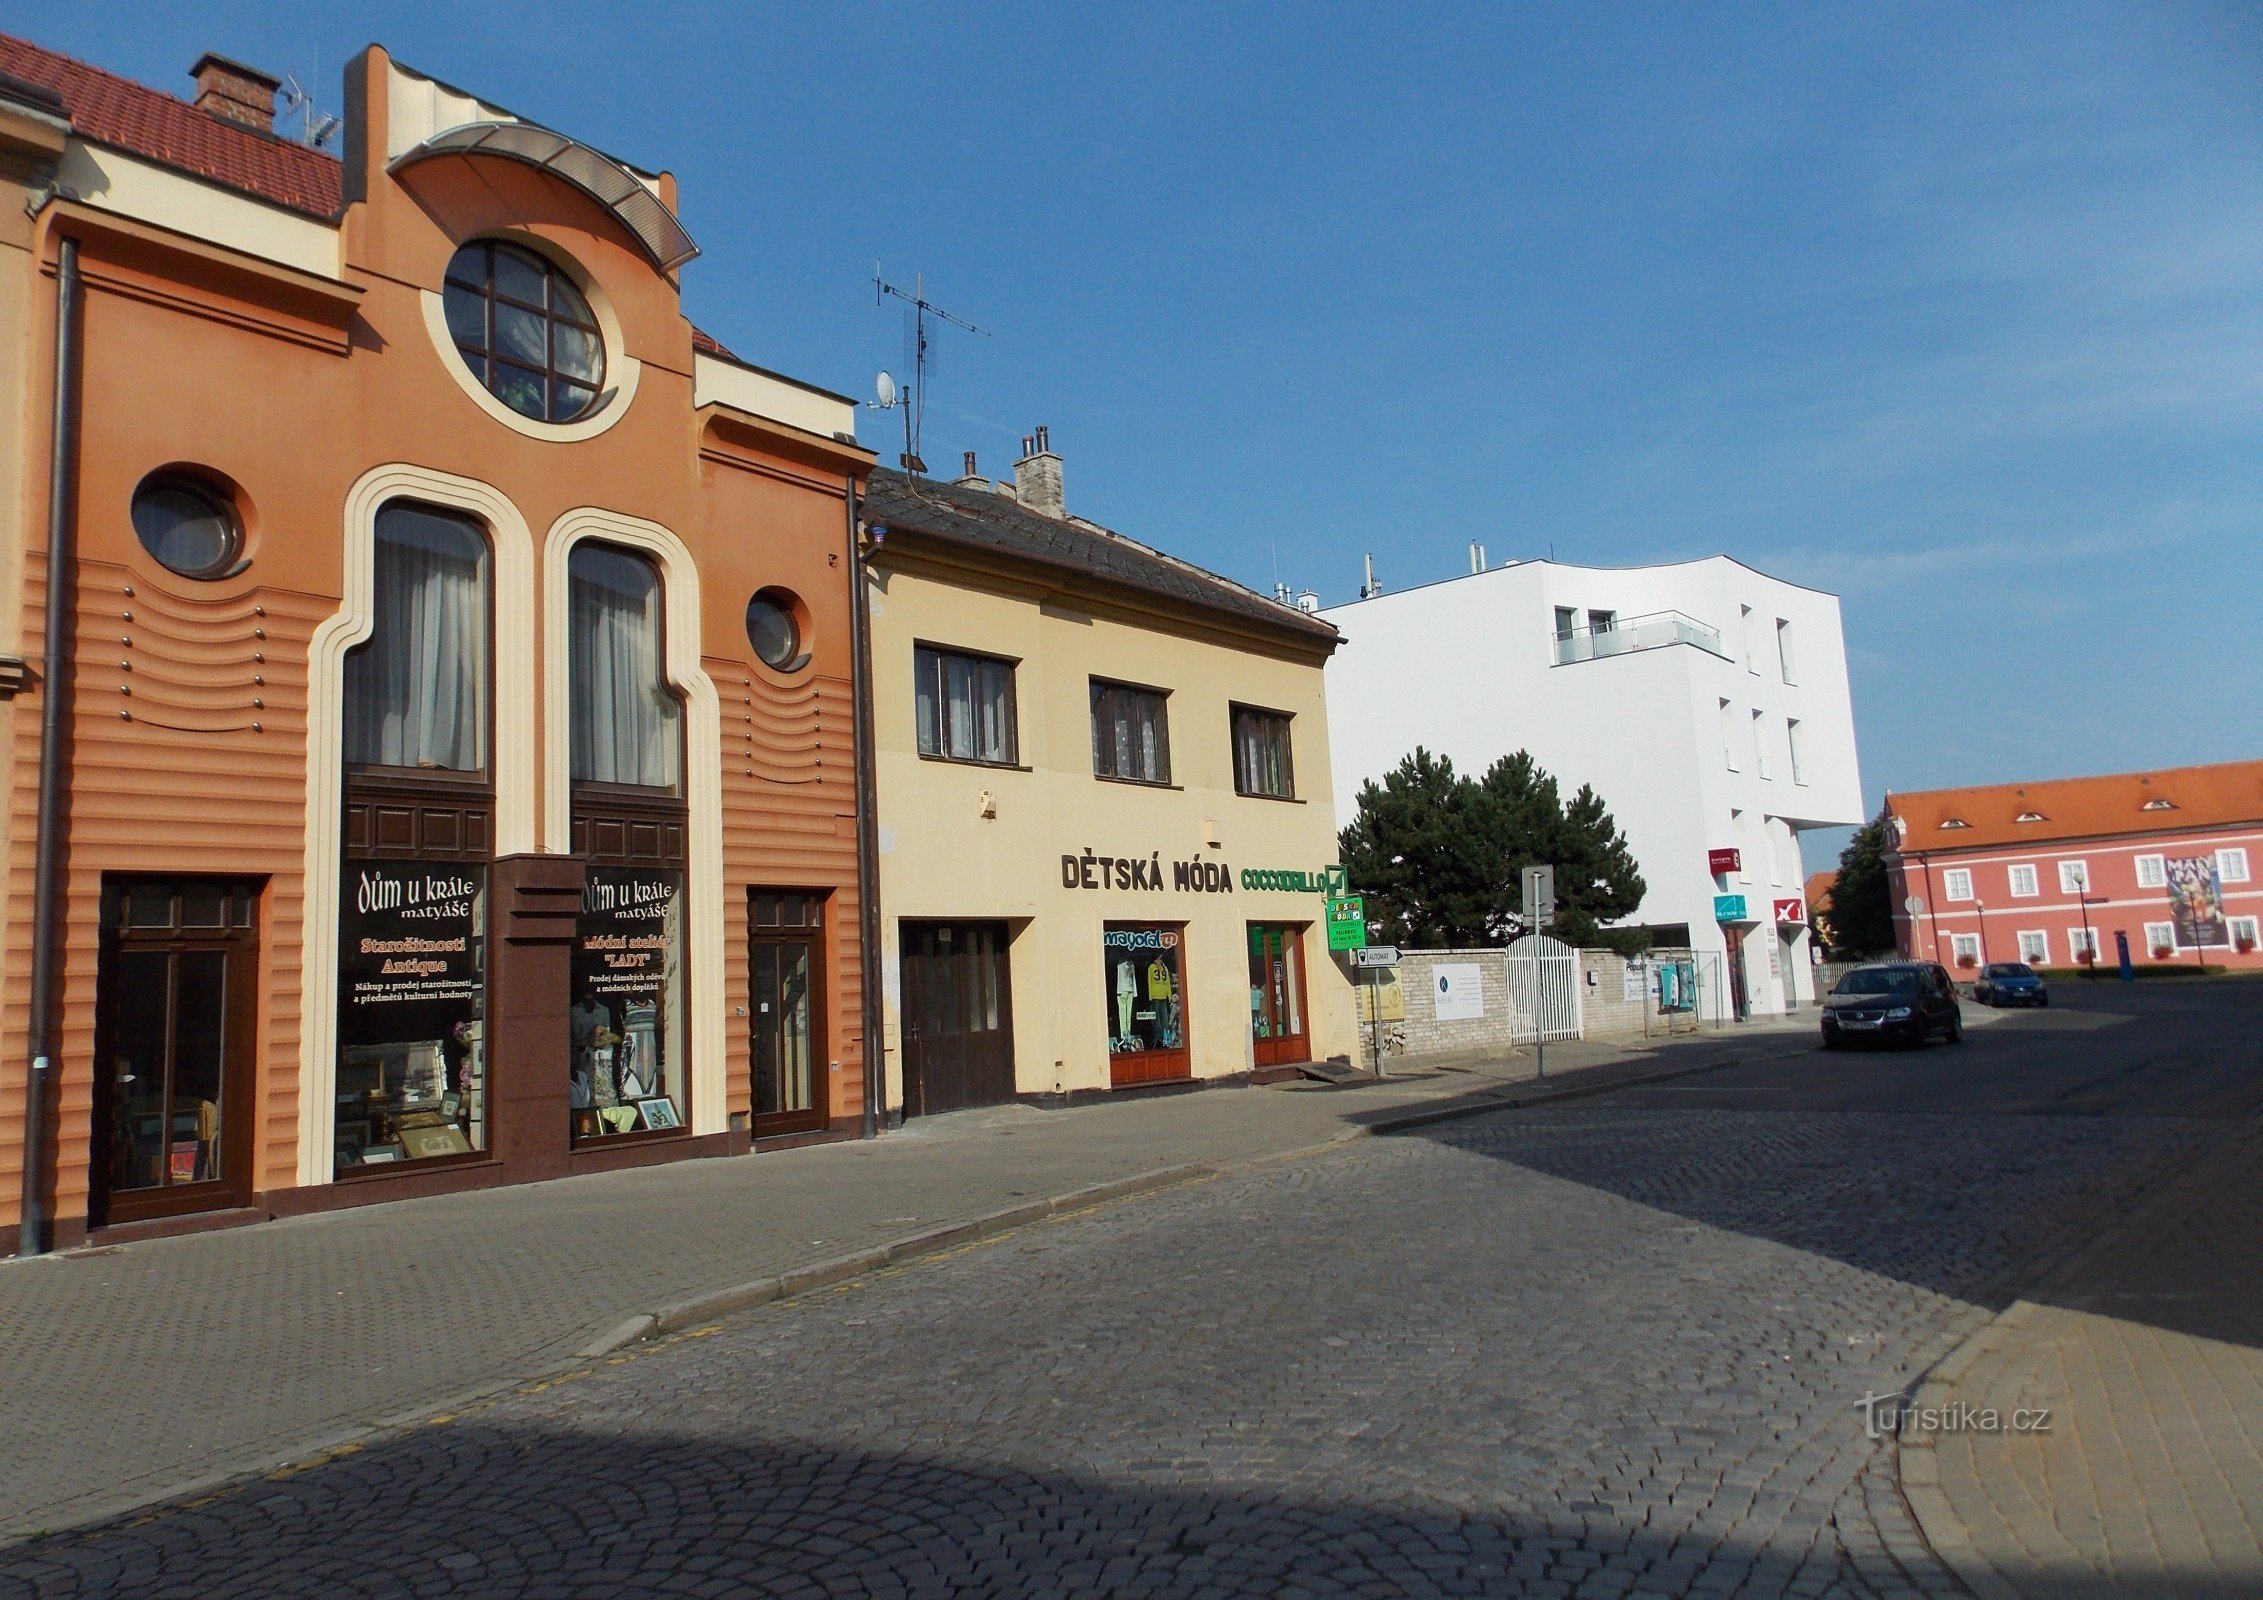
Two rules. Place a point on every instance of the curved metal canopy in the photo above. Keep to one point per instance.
(599, 176)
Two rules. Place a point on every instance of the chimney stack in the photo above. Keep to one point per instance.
(971, 479)
(234, 92)
(1037, 476)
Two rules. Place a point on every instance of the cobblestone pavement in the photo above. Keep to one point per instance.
(1571, 1351)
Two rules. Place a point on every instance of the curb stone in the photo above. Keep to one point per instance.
(681, 1316)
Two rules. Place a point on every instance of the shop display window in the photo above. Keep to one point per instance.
(627, 1017)
(412, 1003)
(1143, 984)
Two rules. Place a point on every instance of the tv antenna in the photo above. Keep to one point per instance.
(914, 400)
(316, 128)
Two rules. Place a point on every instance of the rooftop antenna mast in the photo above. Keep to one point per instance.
(317, 128)
(915, 403)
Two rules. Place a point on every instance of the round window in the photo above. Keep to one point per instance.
(525, 331)
(186, 527)
(772, 630)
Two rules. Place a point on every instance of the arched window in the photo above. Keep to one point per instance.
(416, 693)
(524, 330)
(627, 726)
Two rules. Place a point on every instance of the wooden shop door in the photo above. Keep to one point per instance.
(957, 1016)
(1277, 1018)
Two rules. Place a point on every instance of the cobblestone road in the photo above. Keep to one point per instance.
(1584, 1351)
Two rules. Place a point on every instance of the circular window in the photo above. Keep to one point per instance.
(187, 527)
(525, 331)
(773, 631)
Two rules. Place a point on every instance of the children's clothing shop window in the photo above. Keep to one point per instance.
(1144, 987)
(525, 331)
(627, 727)
(965, 706)
(416, 692)
(1131, 733)
(627, 1016)
(1261, 754)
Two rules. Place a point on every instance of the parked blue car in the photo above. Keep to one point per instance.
(2010, 983)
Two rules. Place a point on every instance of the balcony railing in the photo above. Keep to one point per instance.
(1625, 637)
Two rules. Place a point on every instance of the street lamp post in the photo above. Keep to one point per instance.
(2089, 939)
(1981, 906)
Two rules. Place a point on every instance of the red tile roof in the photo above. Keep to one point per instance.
(2171, 801)
(156, 126)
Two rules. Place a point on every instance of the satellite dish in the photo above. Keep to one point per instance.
(887, 391)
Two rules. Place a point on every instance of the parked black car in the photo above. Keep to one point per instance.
(2010, 983)
(1892, 1002)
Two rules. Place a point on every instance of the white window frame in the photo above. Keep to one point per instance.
(1792, 740)
(1784, 649)
(1751, 647)
(2152, 872)
(1964, 947)
(2243, 927)
(1728, 736)
(1956, 883)
(2231, 864)
(2074, 877)
(1760, 743)
(2012, 876)
(2160, 936)
(2079, 940)
(2041, 944)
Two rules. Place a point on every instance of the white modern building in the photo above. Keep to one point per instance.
(1704, 701)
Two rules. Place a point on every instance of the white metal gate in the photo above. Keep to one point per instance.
(1543, 990)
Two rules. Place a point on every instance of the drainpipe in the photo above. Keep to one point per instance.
(867, 830)
(47, 871)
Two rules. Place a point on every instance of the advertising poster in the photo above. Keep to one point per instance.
(627, 985)
(2196, 903)
(1455, 992)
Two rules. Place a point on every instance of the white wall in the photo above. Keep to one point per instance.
(1467, 668)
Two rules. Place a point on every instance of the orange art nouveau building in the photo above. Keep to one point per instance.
(451, 775)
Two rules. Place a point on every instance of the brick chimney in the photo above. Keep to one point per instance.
(1037, 476)
(971, 479)
(234, 92)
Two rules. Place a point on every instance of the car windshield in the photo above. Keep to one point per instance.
(2011, 969)
(1878, 980)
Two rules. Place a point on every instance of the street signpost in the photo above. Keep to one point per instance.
(1539, 898)
(1375, 955)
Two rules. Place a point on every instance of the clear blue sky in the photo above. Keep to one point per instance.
(1952, 310)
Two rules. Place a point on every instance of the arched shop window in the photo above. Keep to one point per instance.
(627, 725)
(417, 692)
(419, 800)
(524, 330)
(627, 1019)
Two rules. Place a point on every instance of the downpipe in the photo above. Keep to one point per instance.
(32, 1235)
(867, 829)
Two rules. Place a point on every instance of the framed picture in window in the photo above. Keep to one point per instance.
(659, 1114)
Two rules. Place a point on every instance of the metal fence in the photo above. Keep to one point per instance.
(1543, 989)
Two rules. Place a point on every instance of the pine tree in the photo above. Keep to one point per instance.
(1862, 897)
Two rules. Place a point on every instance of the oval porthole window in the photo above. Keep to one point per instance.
(773, 631)
(187, 527)
(524, 330)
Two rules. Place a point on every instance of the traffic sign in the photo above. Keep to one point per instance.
(1376, 955)
(1347, 922)
(1539, 898)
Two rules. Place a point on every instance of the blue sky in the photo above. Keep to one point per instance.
(1952, 310)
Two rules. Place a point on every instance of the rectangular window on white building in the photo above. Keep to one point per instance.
(2082, 942)
(1567, 621)
(1967, 948)
(1956, 883)
(2152, 872)
(2161, 938)
(2074, 877)
(1799, 760)
(1784, 648)
(2023, 882)
(2034, 946)
(1751, 651)
(1760, 743)
(1728, 737)
(2231, 865)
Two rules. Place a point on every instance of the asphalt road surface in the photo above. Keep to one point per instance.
(1610, 1348)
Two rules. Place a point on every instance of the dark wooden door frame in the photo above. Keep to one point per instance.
(819, 1114)
(239, 947)
(1280, 1047)
(998, 1077)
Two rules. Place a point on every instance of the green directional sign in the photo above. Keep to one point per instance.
(1347, 922)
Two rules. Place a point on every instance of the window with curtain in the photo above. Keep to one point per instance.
(1261, 754)
(416, 692)
(1131, 733)
(965, 706)
(626, 725)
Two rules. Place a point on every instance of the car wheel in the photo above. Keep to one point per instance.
(1830, 1043)
(2045, 1002)
(1956, 1028)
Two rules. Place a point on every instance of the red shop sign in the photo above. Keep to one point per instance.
(1724, 861)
